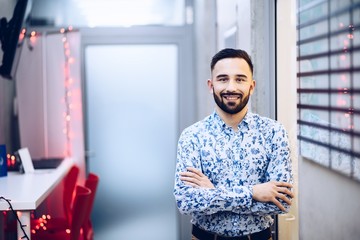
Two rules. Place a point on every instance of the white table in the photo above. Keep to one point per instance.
(28, 191)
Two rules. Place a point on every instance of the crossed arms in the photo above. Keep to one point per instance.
(270, 191)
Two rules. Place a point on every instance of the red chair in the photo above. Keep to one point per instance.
(55, 223)
(68, 195)
(77, 217)
(61, 224)
(69, 187)
(91, 182)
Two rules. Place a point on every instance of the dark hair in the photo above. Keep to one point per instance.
(231, 53)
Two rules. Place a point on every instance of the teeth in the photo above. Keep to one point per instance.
(232, 97)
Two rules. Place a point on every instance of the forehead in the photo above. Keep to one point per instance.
(232, 66)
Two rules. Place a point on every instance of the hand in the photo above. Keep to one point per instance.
(272, 191)
(195, 178)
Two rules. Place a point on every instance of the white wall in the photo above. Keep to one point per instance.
(329, 204)
(40, 83)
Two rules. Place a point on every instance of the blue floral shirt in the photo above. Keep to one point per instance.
(234, 161)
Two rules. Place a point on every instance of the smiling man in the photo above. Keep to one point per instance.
(233, 169)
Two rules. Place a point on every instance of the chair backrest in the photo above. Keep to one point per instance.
(80, 207)
(91, 182)
(69, 187)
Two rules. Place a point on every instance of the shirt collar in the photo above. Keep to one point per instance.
(247, 120)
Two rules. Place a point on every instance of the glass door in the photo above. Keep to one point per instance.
(131, 98)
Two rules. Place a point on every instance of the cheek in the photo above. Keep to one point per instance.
(217, 89)
(247, 89)
(216, 92)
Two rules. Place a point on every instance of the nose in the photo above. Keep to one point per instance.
(231, 86)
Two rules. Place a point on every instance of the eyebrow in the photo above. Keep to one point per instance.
(225, 75)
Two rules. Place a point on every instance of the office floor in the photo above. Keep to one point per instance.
(149, 227)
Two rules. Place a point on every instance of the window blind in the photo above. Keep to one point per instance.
(328, 57)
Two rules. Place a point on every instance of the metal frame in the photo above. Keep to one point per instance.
(180, 36)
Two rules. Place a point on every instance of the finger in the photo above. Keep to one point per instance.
(286, 191)
(191, 180)
(190, 184)
(279, 205)
(186, 174)
(289, 193)
(284, 198)
(284, 184)
(191, 169)
(189, 174)
(194, 170)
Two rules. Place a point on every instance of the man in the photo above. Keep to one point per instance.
(233, 168)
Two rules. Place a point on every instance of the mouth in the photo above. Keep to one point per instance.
(231, 97)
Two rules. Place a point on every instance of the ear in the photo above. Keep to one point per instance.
(252, 87)
(210, 85)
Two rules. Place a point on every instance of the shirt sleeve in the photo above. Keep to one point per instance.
(201, 200)
(279, 169)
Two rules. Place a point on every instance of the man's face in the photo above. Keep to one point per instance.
(231, 84)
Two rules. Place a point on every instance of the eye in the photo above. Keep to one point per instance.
(240, 79)
(222, 79)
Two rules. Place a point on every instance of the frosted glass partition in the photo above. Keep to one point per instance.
(131, 95)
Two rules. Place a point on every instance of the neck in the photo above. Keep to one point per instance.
(232, 120)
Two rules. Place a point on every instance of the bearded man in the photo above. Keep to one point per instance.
(233, 168)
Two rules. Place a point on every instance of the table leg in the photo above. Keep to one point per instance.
(24, 217)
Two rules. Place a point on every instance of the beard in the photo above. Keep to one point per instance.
(231, 107)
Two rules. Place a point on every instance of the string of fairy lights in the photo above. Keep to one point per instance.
(30, 39)
(68, 83)
(68, 80)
